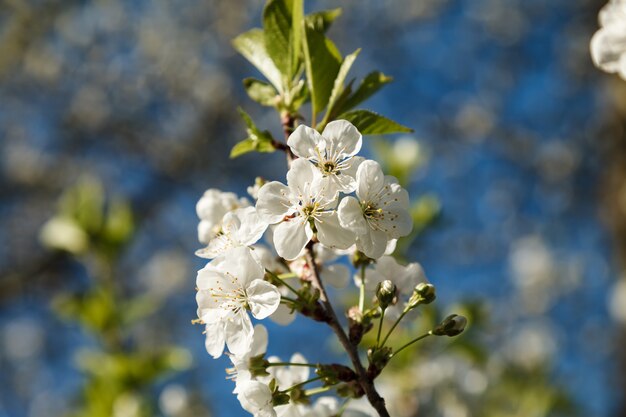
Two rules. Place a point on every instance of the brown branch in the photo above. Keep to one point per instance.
(364, 381)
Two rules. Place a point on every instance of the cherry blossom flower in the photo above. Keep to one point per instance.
(241, 363)
(608, 45)
(302, 208)
(331, 152)
(241, 227)
(256, 398)
(230, 286)
(211, 209)
(379, 214)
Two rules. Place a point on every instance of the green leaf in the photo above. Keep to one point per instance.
(251, 45)
(373, 82)
(338, 86)
(257, 140)
(295, 44)
(370, 123)
(277, 22)
(322, 62)
(321, 21)
(261, 92)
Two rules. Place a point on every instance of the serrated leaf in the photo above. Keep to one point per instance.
(338, 86)
(260, 91)
(373, 82)
(251, 45)
(322, 62)
(321, 21)
(370, 123)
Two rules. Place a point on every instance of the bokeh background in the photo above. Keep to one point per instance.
(518, 168)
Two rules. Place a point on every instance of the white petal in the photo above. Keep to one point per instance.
(216, 247)
(290, 238)
(303, 142)
(215, 339)
(298, 373)
(396, 223)
(238, 263)
(273, 203)
(331, 234)
(351, 216)
(607, 46)
(263, 298)
(370, 179)
(301, 174)
(205, 231)
(239, 333)
(336, 275)
(259, 341)
(256, 398)
(251, 227)
(372, 278)
(391, 247)
(343, 136)
(372, 243)
(283, 315)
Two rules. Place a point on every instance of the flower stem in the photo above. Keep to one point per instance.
(310, 365)
(393, 327)
(424, 336)
(277, 277)
(380, 326)
(317, 378)
(364, 381)
(317, 390)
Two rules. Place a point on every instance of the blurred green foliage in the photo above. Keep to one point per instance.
(120, 372)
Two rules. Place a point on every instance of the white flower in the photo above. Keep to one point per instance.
(299, 206)
(241, 362)
(379, 214)
(228, 287)
(331, 152)
(608, 45)
(241, 227)
(286, 377)
(211, 209)
(256, 398)
(405, 278)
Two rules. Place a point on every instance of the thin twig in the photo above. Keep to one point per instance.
(373, 397)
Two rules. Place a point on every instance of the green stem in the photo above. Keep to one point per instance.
(393, 327)
(317, 390)
(291, 300)
(282, 281)
(310, 365)
(317, 378)
(424, 336)
(380, 326)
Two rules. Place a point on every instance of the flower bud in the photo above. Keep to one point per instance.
(450, 326)
(422, 294)
(385, 293)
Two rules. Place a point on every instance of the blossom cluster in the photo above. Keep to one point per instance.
(608, 45)
(334, 204)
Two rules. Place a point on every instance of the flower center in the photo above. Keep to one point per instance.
(329, 167)
(370, 211)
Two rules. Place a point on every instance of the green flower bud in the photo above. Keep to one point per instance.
(451, 326)
(422, 294)
(385, 293)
